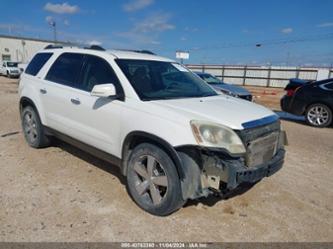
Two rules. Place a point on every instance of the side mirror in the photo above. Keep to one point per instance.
(104, 90)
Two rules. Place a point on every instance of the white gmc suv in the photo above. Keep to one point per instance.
(172, 135)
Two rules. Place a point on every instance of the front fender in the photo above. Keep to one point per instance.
(139, 136)
(29, 92)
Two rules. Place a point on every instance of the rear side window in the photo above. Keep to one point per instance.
(65, 69)
(37, 63)
(97, 71)
(329, 86)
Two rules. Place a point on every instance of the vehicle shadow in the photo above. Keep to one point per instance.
(115, 171)
(99, 163)
(213, 199)
(290, 117)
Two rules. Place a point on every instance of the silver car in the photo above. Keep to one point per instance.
(229, 89)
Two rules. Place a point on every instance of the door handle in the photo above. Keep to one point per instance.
(76, 101)
(43, 91)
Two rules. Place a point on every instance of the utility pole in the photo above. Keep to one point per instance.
(54, 26)
(288, 58)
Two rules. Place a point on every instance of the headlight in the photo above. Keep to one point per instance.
(218, 136)
(229, 93)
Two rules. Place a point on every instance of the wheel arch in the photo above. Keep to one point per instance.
(137, 137)
(25, 101)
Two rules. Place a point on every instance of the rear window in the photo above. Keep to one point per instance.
(329, 86)
(66, 69)
(37, 63)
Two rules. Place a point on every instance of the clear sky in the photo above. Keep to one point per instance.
(292, 32)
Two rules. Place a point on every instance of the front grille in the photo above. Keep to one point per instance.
(262, 149)
(261, 143)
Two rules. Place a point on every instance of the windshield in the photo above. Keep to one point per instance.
(153, 80)
(11, 64)
(210, 79)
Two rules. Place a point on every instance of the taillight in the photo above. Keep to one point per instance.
(290, 92)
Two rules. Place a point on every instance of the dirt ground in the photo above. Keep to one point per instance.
(62, 194)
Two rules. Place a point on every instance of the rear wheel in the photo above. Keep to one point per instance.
(318, 115)
(33, 129)
(153, 181)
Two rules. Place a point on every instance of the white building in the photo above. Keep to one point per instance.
(20, 49)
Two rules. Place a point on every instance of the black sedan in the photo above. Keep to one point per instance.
(229, 89)
(312, 99)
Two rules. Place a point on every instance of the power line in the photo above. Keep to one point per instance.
(268, 42)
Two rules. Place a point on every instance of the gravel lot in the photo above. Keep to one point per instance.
(62, 194)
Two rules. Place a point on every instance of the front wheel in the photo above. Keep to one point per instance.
(318, 115)
(153, 181)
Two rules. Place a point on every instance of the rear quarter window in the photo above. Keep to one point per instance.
(37, 63)
(329, 86)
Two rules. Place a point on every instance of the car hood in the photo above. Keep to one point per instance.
(231, 88)
(13, 68)
(221, 109)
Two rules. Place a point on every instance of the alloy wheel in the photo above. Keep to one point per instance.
(151, 182)
(318, 115)
(30, 127)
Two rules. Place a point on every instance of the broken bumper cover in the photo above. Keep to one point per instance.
(210, 171)
(238, 175)
(219, 174)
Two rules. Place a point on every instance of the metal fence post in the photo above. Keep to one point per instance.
(244, 75)
(269, 76)
(223, 73)
(203, 68)
(297, 72)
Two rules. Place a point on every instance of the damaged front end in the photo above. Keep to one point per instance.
(214, 170)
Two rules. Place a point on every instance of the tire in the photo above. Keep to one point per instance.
(8, 76)
(33, 129)
(318, 115)
(153, 181)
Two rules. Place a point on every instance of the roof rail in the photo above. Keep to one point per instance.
(95, 47)
(146, 52)
(51, 46)
(138, 51)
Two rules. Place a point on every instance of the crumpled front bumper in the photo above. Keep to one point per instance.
(216, 172)
(209, 170)
(233, 172)
(238, 175)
